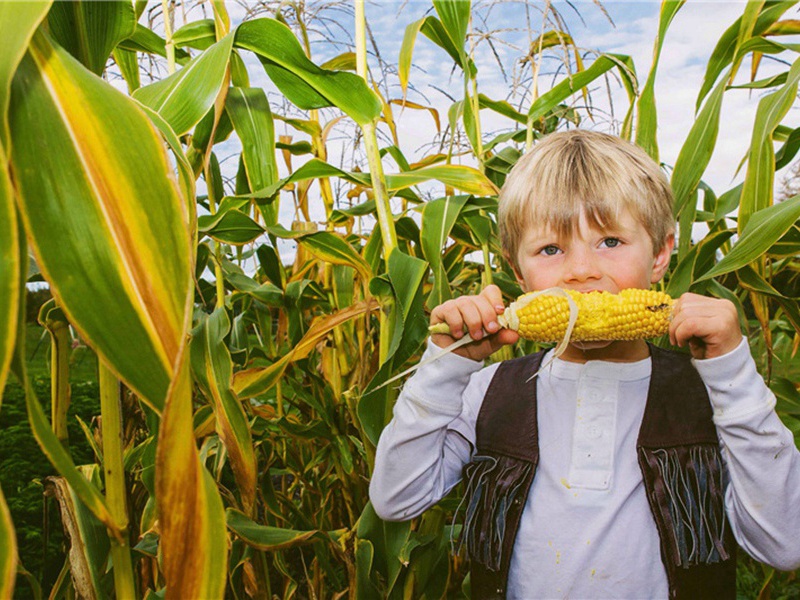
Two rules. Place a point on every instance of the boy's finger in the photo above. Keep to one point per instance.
(495, 297)
(472, 315)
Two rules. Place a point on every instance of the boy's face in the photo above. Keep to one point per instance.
(609, 259)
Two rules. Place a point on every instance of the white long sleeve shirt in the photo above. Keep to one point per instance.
(587, 530)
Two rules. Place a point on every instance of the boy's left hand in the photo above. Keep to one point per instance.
(709, 325)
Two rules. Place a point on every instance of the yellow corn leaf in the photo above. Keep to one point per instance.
(9, 267)
(415, 106)
(251, 382)
(8, 551)
(191, 516)
(106, 220)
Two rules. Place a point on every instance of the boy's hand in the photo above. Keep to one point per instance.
(710, 326)
(478, 315)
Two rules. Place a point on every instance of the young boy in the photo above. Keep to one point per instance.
(622, 470)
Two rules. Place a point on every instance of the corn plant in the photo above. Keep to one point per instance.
(241, 390)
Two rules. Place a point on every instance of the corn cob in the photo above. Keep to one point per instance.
(544, 316)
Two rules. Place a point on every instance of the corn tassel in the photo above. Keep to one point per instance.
(545, 317)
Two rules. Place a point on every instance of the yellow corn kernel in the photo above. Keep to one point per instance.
(630, 315)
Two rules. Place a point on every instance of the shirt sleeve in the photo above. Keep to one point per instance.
(763, 463)
(422, 450)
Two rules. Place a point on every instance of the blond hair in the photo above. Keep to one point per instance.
(577, 171)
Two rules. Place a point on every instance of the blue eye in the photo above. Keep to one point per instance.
(550, 250)
(611, 242)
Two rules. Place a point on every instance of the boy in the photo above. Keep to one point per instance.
(622, 470)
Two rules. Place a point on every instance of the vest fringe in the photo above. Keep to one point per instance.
(693, 485)
(492, 485)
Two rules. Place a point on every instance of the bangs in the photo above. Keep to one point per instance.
(582, 173)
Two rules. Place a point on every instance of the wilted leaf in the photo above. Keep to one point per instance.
(88, 543)
(252, 382)
(194, 545)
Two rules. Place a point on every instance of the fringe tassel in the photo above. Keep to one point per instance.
(493, 483)
(695, 496)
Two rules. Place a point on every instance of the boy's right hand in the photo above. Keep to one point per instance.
(478, 315)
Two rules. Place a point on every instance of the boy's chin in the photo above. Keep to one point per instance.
(592, 345)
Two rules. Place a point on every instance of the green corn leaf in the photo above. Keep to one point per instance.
(759, 180)
(455, 20)
(128, 63)
(365, 587)
(91, 29)
(146, 40)
(403, 284)
(213, 369)
(696, 151)
(646, 116)
(438, 218)
(268, 293)
(764, 228)
(22, 19)
(696, 262)
(184, 168)
(433, 29)
(230, 227)
(723, 53)
(466, 179)
(746, 25)
(266, 538)
(346, 61)
(305, 84)
(332, 248)
(564, 89)
(388, 539)
(248, 109)
(131, 278)
(503, 108)
(788, 245)
(197, 34)
(184, 97)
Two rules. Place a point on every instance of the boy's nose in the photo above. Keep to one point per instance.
(582, 266)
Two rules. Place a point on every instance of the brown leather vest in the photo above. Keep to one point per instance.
(678, 453)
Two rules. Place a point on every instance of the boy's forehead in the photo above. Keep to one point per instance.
(581, 223)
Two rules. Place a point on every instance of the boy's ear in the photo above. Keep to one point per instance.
(661, 259)
(517, 274)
